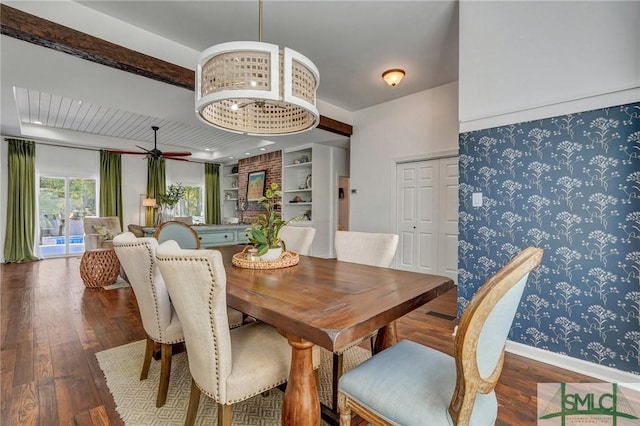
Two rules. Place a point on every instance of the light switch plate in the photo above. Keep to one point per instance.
(476, 199)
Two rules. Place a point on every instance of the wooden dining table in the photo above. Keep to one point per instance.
(327, 303)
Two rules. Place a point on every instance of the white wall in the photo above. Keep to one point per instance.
(521, 61)
(413, 127)
(134, 183)
(339, 167)
(525, 60)
(184, 172)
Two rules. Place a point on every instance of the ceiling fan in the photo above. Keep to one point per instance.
(155, 152)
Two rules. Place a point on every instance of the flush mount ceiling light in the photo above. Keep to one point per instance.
(393, 77)
(255, 88)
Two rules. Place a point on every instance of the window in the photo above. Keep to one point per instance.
(63, 202)
(192, 203)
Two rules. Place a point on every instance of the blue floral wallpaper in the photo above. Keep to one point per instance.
(570, 185)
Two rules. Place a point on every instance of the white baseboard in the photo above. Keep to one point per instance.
(600, 372)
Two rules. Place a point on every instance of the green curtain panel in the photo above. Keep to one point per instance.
(212, 212)
(156, 185)
(111, 185)
(21, 202)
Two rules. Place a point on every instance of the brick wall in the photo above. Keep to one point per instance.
(272, 163)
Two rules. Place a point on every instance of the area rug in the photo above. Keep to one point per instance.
(135, 399)
(120, 283)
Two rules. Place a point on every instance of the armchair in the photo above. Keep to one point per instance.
(412, 384)
(99, 231)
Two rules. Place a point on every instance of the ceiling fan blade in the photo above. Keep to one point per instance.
(155, 152)
(176, 154)
(178, 159)
(144, 149)
(116, 151)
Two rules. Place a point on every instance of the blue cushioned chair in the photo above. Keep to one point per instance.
(180, 232)
(411, 384)
(365, 248)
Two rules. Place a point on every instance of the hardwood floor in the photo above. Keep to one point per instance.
(52, 326)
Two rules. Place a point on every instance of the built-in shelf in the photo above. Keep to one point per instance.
(228, 179)
(291, 166)
(297, 168)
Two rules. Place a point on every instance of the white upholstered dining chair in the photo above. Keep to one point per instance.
(161, 323)
(183, 234)
(365, 248)
(411, 384)
(228, 366)
(297, 238)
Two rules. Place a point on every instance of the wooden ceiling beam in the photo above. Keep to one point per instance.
(32, 29)
(24, 26)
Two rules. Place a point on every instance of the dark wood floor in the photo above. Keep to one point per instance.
(52, 327)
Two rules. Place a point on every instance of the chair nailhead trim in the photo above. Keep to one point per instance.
(154, 291)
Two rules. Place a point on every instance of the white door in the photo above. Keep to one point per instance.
(427, 212)
(417, 213)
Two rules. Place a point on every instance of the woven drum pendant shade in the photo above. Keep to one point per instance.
(255, 88)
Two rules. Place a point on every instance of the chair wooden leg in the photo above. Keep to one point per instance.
(165, 373)
(224, 415)
(337, 372)
(148, 353)
(345, 411)
(194, 401)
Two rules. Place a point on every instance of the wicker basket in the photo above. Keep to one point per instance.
(286, 259)
(99, 268)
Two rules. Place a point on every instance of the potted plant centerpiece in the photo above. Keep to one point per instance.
(169, 199)
(264, 231)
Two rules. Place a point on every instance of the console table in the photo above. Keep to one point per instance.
(214, 235)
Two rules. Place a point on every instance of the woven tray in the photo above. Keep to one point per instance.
(286, 259)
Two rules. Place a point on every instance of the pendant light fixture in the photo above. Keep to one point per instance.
(257, 89)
